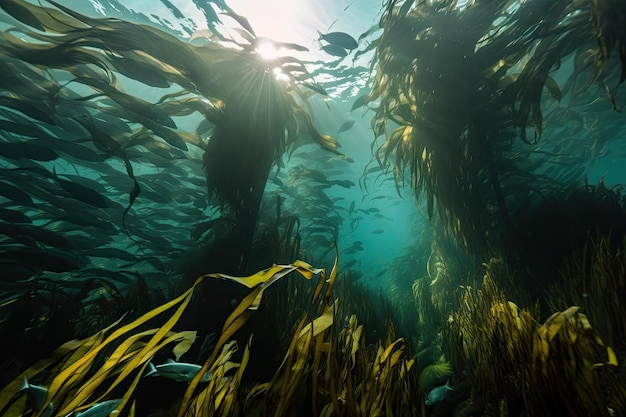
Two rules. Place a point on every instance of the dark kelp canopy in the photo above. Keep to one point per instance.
(256, 116)
(511, 297)
(457, 86)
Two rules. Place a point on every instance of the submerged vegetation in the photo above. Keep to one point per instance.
(332, 371)
(559, 367)
(485, 110)
(192, 155)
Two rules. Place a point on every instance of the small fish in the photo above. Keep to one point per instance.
(438, 394)
(202, 37)
(36, 397)
(340, 39)
(80, 192)
(178, 371)
(13, 216)
(102, 409)
(350, 263)
(377, 231)
(359, 102)
(347, 125)
(335, 50)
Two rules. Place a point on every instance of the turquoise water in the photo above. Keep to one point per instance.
(125, 173)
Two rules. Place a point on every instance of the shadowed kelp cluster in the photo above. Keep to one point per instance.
(104, 191)
(493, 111)
(255, 117)
(458, 85)
(560, 367)
(323, 370)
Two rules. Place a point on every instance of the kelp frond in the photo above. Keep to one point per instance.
(81, 375)
(561, 364)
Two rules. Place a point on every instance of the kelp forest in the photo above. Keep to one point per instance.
(172, 241)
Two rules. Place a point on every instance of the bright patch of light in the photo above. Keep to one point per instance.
(275, 19)
(280, 75)
(267, 50)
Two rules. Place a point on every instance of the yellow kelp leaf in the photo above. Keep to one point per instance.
(584, 321)
(570, 312)
(305, 269)
(155, 343)
(390, 350)
(554, 326)
(260, 281)
(514, 309)
(87, 388)
(556, 321)
(406, 368)
(328, 410)
(333, 275)
(270, 275)
(255, 279)
(183, 346)
(319, 287)
(356, 343)
(140, 359)
(541, 347)
(9, 391)
(65, 378)
(236, 319)
(127, 396)
(65, 349)
(316, 371)
(573, 334)
(297, 371)
(612, 357)
(395, 357)
(407, 134)
(328, 142)
(321, 323)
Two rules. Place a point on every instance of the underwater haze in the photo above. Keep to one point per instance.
(312, 208)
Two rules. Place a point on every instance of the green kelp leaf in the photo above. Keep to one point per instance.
(42, 18)
(553, 88)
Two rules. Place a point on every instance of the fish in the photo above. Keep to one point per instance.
(36, 397)
(339, 39)
(13, 216)
(347, 125)
(27, 149)
(377, 231)
(350, 263)
(359, 102)
(438, 394)
(15, 194)
(178, 371)
(29, 233)
(334, 50)
(101, 409)
(81, 192)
